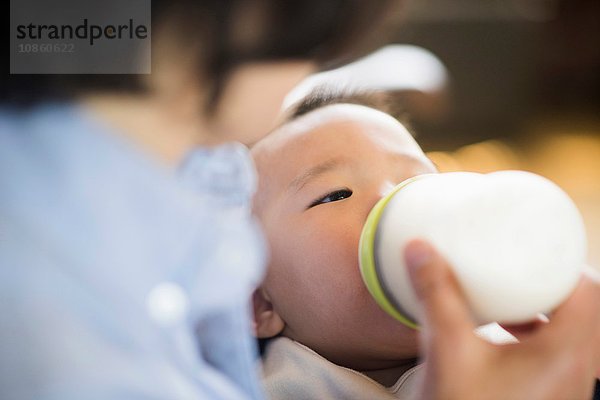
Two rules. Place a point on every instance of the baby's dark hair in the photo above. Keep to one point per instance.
(387, 102)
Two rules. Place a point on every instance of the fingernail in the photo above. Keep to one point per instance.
(417, 254)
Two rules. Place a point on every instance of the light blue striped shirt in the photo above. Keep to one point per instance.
(120, 279)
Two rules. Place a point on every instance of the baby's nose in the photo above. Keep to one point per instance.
(379, 190)
(386, 187)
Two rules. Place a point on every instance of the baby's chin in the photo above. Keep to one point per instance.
(393, 339)
(382, 345)
(379, 355)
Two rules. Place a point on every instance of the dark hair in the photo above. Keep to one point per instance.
(222, 34)
(322, 96)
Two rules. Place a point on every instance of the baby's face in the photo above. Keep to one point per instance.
(319, 178)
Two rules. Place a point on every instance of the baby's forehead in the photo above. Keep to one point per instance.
(317, 124)
(338, 113)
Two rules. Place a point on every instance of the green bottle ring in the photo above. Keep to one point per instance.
(368, 267)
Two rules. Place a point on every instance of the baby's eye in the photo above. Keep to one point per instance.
(331, 197)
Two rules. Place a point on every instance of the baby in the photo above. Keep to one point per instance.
(320, 174)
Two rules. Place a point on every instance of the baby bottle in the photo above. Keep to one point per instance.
(515, 240)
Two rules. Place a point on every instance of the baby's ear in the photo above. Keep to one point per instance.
(267, 323)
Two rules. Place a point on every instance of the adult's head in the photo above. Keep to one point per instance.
(226, 62)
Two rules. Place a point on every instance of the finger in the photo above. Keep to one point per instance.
(577, 320)
(594, 276)
(445, 316)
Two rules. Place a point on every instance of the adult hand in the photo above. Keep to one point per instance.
(557, 360)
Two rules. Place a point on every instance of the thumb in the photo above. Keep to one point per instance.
(445, 315)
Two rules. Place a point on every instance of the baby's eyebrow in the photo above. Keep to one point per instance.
(314, 172)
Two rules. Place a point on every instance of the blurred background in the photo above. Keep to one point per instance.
(501, 84)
